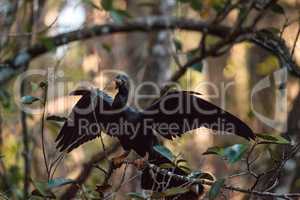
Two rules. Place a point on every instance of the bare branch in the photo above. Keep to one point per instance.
(296, 40)
(26, 150)
(11, 67)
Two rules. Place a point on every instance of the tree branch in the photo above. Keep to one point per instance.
(26, 150)
(227, 187)
(13, 66)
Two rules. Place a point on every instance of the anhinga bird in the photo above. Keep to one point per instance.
(172, 115)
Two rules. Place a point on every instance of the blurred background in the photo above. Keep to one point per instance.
(144, 57)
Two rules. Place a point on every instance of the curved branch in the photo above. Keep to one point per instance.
(11, 67)
(227, 187)
(277, 46)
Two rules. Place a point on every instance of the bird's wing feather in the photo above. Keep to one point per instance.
(85, 120)
(180, 111)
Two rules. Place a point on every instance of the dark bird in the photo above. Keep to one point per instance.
(172, 115)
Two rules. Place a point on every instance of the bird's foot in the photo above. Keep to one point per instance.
(119, 160)
(140, 163)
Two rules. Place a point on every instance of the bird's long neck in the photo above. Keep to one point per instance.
(121, 98)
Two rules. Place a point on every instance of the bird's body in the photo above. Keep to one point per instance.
(171, 115)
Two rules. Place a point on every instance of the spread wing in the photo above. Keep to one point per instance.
(180, 111)
(86, 120)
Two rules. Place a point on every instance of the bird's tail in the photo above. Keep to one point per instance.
(156, 181)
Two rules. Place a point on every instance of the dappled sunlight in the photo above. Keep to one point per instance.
(204, 93)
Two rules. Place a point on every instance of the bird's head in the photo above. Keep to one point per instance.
(121, 81)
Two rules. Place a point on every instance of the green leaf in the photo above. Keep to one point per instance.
(272, 30)
(107, 47)
(235, 152)
(147, 4)
(91, 3)
(184, 1)
(178, 44)
(195, 174)
(214, 150)
(56, 118)
(196, 5)
(157, 195)
(29, 99)
(166, 166)
(273, 139)
(218, 5)
(42, 190)
(15, 174)
(107, 4)
(197, 66)
(201, 175)
(175, 191)
(116, 17)
(278, 9)
(190, 56)
(135, 195)
(119, 16)
(48, 43)
(184, 168)
(58, 182)
(34, 86)
(180, 161)
(215, 189)
(232, 153)
(165, 152)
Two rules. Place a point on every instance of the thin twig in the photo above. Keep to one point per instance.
(263, 13)
(26, 150)
(45, 90)
(43, 30)
(296, 41)
(122, 179)
(54, 165)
